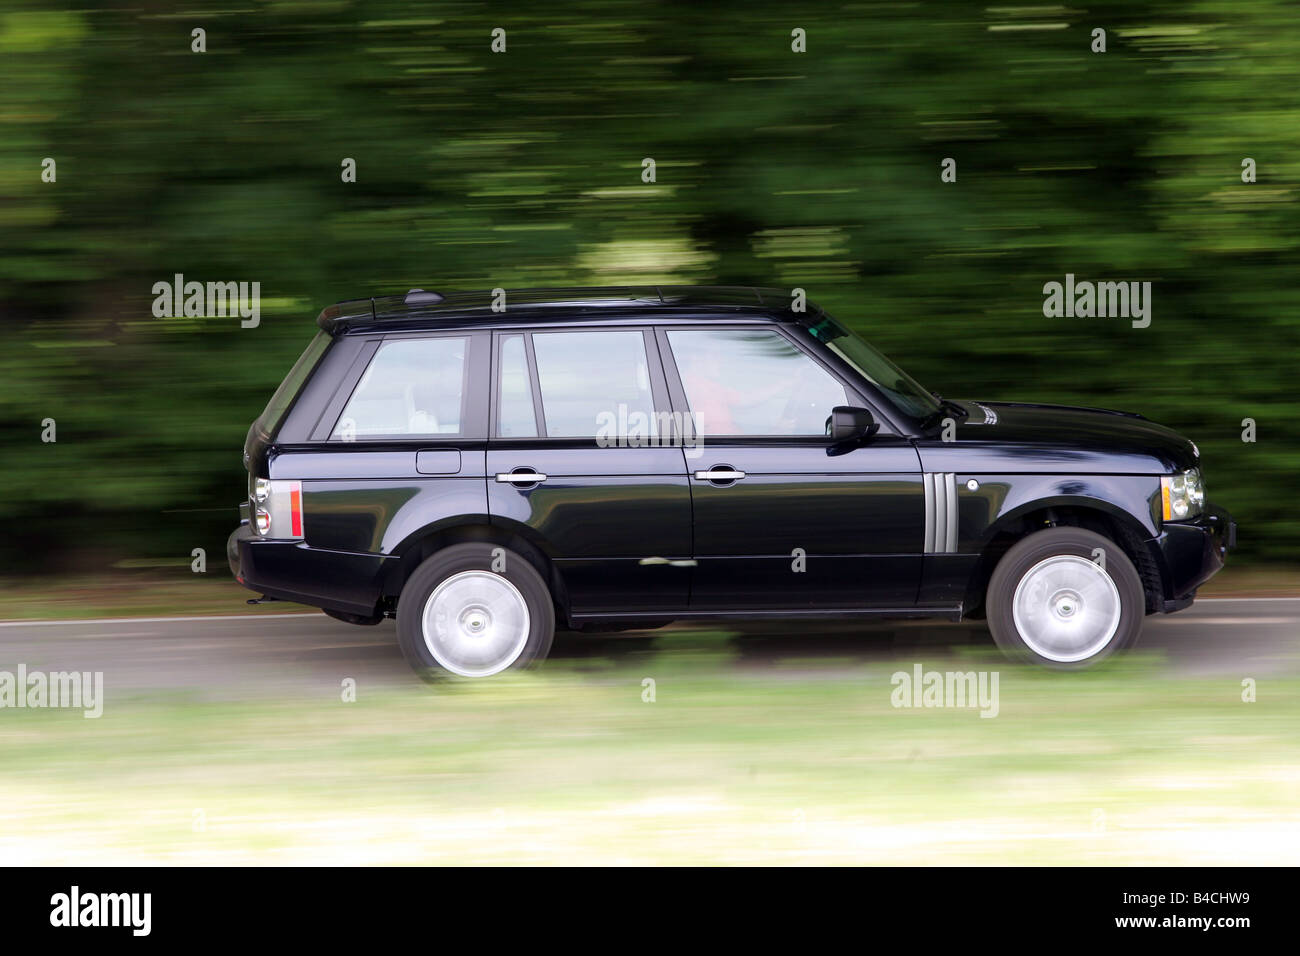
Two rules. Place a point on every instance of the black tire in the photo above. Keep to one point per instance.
(1046, 648)
(483, 559)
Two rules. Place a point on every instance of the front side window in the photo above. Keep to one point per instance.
(752, 382)
(412, 388)
(594, 383)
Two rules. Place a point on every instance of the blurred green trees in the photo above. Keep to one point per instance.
(478, 169)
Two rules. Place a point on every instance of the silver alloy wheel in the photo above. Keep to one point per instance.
(1066, 608)
(475, 623)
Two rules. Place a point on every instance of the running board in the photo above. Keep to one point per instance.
(947, 612)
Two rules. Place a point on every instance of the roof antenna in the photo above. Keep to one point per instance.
(420, 297)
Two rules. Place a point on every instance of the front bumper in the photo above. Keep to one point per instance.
(292, 571)
(1191, 552)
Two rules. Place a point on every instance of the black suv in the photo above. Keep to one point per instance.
(483, 465)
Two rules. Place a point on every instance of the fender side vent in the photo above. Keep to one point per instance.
(940, 511)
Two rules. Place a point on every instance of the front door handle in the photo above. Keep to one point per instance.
(521, 477)
(720, 473)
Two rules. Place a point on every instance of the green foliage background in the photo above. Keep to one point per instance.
(478, 170)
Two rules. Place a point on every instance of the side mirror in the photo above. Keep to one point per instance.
(848, 424)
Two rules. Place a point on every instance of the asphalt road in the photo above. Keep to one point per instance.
(234, 657)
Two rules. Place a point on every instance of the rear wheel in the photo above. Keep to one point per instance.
(1065, 597)
(474, 610)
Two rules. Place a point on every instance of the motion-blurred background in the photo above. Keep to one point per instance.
(477, 169)
(235, 740)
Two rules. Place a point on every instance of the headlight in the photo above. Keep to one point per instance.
(1182, 496)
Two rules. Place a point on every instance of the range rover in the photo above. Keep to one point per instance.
(483, 467)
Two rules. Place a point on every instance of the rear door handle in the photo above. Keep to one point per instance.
(519, 477)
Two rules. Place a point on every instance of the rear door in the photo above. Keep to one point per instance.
(579, 463)
(782, 518)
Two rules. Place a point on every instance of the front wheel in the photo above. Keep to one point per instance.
(1066, 598)
(474, 610)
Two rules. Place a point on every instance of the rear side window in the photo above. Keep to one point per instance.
(413, 388)
(280, 402)
(517, 418)
(590, 381)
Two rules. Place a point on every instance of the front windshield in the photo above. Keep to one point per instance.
(899, 387)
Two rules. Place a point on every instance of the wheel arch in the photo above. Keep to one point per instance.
(422, 544)
(1097, 514)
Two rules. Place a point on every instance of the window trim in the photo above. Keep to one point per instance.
(852, 392)
(535, 386)
(494, 411)
(342, 392)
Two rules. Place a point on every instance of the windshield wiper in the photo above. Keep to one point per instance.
(945, 404)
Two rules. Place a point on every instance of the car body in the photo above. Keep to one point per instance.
(651, 455)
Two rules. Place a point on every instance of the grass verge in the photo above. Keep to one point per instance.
(573, 764)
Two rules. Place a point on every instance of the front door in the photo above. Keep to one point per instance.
(782, 518)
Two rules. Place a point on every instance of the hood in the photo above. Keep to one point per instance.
(1028, 437)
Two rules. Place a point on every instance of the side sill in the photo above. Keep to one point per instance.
(947, 612)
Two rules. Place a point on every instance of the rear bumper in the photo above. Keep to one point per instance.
(292, 571)
(1192, 552)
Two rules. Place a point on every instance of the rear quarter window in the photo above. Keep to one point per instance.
(412, 388)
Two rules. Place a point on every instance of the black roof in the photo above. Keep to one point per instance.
(419, 304)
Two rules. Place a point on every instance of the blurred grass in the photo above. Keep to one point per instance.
(568, 765)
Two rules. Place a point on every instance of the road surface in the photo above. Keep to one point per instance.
(238, 656)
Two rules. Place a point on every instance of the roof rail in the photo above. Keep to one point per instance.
(419, 302)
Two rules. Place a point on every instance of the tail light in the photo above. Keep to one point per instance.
(277, 508)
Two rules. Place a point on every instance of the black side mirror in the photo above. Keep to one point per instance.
(848, 424)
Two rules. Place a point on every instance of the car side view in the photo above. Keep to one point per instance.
(482, 467)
